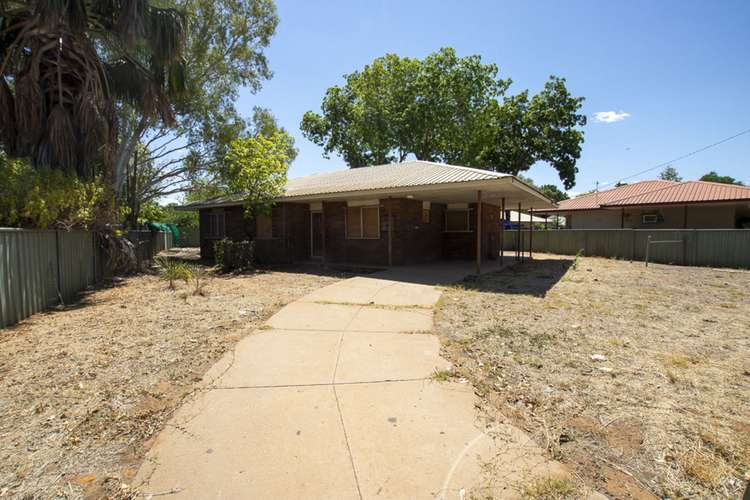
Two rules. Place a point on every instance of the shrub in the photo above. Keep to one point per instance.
(173, 270)
(234, 255)
(200, 277)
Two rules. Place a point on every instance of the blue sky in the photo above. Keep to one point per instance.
(679, 70)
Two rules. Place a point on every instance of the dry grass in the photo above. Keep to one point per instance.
(84, 389)
(665, 414)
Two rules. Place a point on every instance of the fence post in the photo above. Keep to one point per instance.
(632, 245)
(59, 273)
(648, 248)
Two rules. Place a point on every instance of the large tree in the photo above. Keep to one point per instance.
(451, 109)
(670, 174)
(64, 66)
(224, 51)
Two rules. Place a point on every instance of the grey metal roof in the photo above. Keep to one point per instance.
(408, 174)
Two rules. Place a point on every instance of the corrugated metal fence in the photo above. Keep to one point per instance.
(692, 247)
(40, 268)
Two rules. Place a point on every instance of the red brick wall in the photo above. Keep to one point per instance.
(413, 241)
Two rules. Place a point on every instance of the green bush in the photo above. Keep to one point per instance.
(234, 255)
(173, 270)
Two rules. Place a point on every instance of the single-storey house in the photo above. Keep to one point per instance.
(394, 214)
(660, 204)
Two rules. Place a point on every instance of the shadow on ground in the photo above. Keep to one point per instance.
(534, 278)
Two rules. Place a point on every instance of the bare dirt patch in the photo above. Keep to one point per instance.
(637, 377)
(83, 390)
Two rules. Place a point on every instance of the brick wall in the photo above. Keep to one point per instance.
(464, 245)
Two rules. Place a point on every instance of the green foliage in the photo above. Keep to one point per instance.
(450, 109)
(256, 168)
(553, 192)
(670, 174)
(173, 270)
(47, 198)
(234, 255)
(723, 179)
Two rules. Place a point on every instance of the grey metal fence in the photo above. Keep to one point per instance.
(42, 268)
(692, 247)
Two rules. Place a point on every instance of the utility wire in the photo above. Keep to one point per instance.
(666, 163)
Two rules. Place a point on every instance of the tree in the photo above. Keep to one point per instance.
(64, 65)
(553, 193)
(723, 179)
(224, 51)
(670, 174)
(256, 168)
(47, 199)
(450, 109)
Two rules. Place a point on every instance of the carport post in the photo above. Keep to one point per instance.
(531, 232)
(390, 233)
(479, 232)
(502, 232)
(520, 236)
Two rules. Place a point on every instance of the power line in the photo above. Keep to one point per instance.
(666, 163)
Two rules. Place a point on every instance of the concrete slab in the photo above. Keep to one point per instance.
(407, 437)
(311, 316)
(407, 294)
(253, 443)
(422, 440)
(273, 358)
(382, 319)
(367, 357)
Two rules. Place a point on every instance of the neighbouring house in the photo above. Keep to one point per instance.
(400, 213)
(513, 219)
(660, 204)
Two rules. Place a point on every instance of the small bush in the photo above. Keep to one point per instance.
(200, 277)
(234, 255)
(173, 270)
(551, 489)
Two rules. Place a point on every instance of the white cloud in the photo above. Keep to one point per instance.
(610, 116)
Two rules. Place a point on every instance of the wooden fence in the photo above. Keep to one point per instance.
(691, 247)
(41, 268)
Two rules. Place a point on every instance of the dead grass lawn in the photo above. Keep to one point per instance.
(84, 389)
(663, 411)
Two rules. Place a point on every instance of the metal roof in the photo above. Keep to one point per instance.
(687, 192)
(393, 175)
(380, 178)
(597, 200)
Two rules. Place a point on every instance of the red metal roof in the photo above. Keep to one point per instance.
(686, 192)
(596, 200)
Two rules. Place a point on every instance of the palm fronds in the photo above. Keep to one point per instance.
(66, 64)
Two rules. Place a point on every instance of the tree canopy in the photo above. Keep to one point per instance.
(553, 192)
(256, 168)
(450, 109)
(670, 174)
(723, 179)
(65, 64)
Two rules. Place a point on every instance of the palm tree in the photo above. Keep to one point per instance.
(65, 66)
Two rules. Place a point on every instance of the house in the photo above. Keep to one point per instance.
(400, 213)
(514, 218)
(659, 204)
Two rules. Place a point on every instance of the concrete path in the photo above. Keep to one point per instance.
(335, 400)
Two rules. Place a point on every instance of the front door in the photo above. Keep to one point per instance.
(316, 234)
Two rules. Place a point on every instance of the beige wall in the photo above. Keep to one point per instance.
(672, 217)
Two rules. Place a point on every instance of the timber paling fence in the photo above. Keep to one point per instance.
(689, 247)
(43, 268)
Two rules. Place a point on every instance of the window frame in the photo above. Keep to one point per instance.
(468, 220)
(360, 209)
(216, 227)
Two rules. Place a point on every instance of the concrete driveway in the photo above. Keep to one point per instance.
(336, 400)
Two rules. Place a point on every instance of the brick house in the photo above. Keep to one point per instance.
(395, 214)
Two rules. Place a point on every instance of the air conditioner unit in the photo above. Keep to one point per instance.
(650, 218)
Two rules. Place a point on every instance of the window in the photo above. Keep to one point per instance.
(215, 226)
(363, 222)
(457, 221)
(650, 218)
